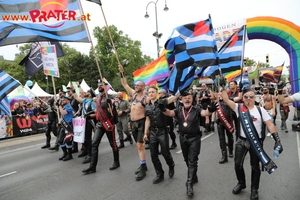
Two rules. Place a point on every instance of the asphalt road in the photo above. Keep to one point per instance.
(28, 172)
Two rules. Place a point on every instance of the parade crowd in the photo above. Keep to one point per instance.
(152, 119)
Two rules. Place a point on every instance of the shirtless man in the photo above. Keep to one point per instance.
(268, 102)
(137, 119)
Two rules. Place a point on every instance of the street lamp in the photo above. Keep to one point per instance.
(156, 34)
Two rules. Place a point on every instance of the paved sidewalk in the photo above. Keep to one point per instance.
(21, 140)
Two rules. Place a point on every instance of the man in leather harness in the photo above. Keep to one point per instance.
(105, 125)
(137, 120)
(158, 136)
(190, 135)
(249, 140)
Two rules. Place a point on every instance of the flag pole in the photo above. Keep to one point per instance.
(94, 52)
(55, 99)
(93, 48)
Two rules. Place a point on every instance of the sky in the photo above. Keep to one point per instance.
(128, 17)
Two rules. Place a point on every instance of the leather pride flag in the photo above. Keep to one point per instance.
(24, 21)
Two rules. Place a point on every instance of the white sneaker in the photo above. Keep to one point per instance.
(269, 134)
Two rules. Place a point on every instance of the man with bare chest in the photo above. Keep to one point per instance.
(268, 102)
(137, 119)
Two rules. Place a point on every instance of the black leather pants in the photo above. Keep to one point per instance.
(100, 131)
(51, 126)
(88, 137)
(221, 132)
(160, 137)
(190, 150)
(241, 148)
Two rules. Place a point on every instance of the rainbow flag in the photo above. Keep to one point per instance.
(125, 96)
(156, 70)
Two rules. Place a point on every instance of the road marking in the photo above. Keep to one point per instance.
(10, 173)
(20, 149)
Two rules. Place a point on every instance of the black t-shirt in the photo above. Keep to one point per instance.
(193, 120)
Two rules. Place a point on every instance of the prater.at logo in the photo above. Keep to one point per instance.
(51, 12)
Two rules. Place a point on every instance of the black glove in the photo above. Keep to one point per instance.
(162, 106)
(277, 142)
(222, 82)
(240, 86)
(280, 86)
(213, 107)
(87, 115)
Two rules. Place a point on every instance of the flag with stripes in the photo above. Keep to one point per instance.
(230, 56)
(5, 107)
(270, 74)
(194, 47)
(33, 60)
(25, 21)
(7, 84)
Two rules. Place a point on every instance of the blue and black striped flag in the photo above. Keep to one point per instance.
(230, 55)
(25, 21)
(194, 47)
(7, 84)
(4, 107)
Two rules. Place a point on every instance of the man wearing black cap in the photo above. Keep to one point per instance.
(188, 117)
(251, 135)
(66, 132)
(105, 116)
(88, 111)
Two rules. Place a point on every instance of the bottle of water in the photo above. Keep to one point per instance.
(276, 152)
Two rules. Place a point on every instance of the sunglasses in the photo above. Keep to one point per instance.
(249, 97)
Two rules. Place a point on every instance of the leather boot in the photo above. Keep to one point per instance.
(212, 126)
(56, 147)
(138, 169)
(189, 190)
(69, 155)
(45, 146)
(159, 177)
(230, 153)
(224, 157)
(130, 139)
(238, 188)
(174, 145)
(87, 160)
(83, 153)
(93, 163)
(142, 172)
(240, 174)
(192, 171)
(255, 178)
(75, 147)
(116, 163)
(171, 171)
(121, 144)
(64, 149)
(254, 194)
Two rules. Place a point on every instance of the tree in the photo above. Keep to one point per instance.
(128, 52)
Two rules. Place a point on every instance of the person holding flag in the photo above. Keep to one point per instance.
(251, 135)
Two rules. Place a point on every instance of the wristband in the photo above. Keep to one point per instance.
(122, 75)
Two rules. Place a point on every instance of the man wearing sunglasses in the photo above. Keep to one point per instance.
(250, 138)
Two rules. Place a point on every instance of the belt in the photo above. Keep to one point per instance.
(186, 136)
(157, 128)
